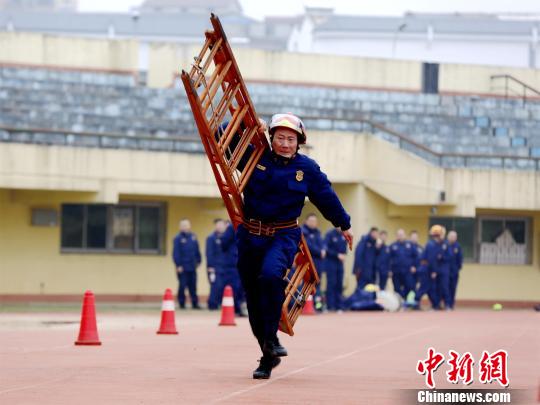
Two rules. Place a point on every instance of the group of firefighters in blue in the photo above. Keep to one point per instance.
(255, 257)
(415, 271)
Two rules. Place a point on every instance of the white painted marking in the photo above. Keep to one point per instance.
(321, 363)
(25, 387)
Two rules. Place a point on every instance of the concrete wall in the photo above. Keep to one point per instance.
(476, 79)
(163, 60)
(43, 49)
(32, 262)
(374, 191)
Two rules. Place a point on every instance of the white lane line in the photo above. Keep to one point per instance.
(321, 363)
(25, 387)
(20, 350)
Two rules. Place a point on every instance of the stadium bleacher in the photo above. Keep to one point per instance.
(492, 131)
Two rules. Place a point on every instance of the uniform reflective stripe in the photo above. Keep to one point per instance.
(227, 302)
(167, 306)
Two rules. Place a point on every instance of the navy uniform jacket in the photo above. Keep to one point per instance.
(420, 267)
(419, 251)
(365, 254)
(315, 244)
(214, 252)
(229, 248)
(186, 251)
(437, 256)
(456, 257)
(278, 186)
(382, 262)
(403, 256)
(335, 243)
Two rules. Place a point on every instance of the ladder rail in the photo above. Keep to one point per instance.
(225, 92)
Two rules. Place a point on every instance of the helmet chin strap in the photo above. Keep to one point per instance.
(283, 158)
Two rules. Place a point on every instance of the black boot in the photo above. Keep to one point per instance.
(272, 348)
(266, 364)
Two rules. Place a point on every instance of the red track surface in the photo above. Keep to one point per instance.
(354, 358)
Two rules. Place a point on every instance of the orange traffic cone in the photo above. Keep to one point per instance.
(88, 335)
(227, 308)
(168, 326)
(309, 309)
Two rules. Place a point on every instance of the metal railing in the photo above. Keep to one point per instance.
(59, 137)
(509, 91)
(193, 144)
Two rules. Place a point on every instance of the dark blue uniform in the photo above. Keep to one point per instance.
(412, 278)
(186, 254)
(456, 262)
(214, 259)
(315, 244)
(403, 256)
(382, 265)
(425, 282)
(230, 269)
(335, 244)
(364, 261)
(275, 193)
(436, 258)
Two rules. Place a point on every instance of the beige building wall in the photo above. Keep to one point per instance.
(373, 191)
(52, 50)
(164, 60)
(33, 264)
(476, 79)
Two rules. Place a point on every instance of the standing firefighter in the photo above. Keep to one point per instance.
(336, 246)
(269, 236)
(403, 262)
(456, 262)
(214, 263)
(186, 257)
(382, 262)
(316, 247)
(436, 256)
(364, 258)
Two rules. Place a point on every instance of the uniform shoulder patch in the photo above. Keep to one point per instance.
(299, 175)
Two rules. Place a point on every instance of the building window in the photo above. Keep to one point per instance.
(491, 239)
(123, 228)
(504, 240)
(465, 228)
(96, 226)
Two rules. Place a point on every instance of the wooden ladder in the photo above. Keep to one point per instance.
(217, 93)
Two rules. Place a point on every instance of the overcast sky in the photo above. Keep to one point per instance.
(258, 8)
